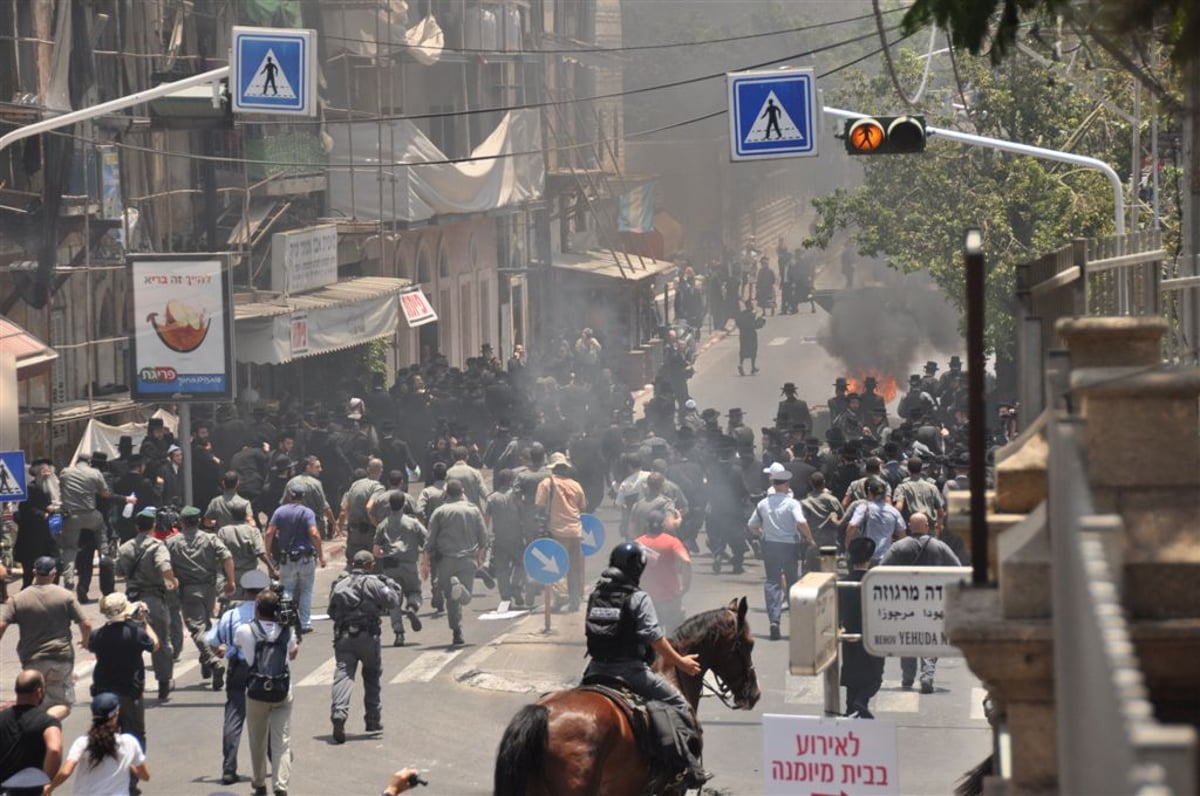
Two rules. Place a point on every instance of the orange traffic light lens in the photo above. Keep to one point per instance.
(866, 135)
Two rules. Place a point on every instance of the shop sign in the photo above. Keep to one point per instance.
(416, 308)
(304, 259)
(182, 339)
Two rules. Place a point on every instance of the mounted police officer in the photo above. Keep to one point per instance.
(357, 601)
(623, 635)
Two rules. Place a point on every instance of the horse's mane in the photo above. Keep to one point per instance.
(697, 626)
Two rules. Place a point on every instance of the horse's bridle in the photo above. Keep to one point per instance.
(722, 691)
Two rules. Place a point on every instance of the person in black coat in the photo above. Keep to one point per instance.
(748, 324)
(862, 672)
(34, 539)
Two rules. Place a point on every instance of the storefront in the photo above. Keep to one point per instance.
(282, 345)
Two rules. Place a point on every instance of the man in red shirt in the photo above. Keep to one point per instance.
(668, 574)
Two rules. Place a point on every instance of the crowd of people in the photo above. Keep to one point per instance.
(272, 487)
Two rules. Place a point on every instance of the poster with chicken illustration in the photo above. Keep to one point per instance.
(182, 335)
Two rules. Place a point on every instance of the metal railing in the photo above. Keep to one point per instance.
(1121, 275)
(1108, 739)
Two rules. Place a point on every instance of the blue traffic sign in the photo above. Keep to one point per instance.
(274, 70)
(546, 561)
(12, 477)
(772, 114)
(593, 534)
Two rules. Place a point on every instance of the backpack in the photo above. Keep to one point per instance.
(270, 679)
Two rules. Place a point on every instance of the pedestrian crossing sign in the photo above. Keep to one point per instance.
(274, 71)
(12, 477)
(772, 114)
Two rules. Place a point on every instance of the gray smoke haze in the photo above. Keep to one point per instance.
(888, 329)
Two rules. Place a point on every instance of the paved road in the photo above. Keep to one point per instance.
(445, 709)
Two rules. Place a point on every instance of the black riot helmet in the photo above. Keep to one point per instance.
(630, 558)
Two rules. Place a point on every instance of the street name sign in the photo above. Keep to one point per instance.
(12, 477)
(772, 114)
(812, 623)
(821, 756)
(904, 610)
(546, 561)
(274, 70)
(593, 534)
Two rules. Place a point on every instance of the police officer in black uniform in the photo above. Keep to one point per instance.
(623, 635)
(357, 601)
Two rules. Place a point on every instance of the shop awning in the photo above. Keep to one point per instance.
(32, 355)
(603, 264)
(333, 318)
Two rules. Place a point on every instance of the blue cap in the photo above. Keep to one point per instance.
(105, 705)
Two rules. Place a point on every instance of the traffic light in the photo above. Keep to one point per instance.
(885, 135)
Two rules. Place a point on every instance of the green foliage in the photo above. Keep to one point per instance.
(978, 24)
(911, 210)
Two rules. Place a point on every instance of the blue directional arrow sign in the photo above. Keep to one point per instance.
(772, 114)
(546, 561)
(274, 70)
(593, 534)
(12, 477)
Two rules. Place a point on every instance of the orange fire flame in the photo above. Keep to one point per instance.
(886, 386)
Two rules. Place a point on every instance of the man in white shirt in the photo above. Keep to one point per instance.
(778, 520)
(263, 717)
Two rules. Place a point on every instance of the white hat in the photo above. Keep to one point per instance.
(689, 404)
(355, 411)
(777, 472)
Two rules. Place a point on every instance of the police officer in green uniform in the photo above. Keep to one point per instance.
(357, 600)
(146, 565)
(245, 544)
(197, 557)
(623, 635)
(354, 519)
(399, 540)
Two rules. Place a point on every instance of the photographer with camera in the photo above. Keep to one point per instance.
(357, 601)
(120, 670)
(295, 525)
(221, 640)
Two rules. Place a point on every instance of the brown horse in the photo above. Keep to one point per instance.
(577, 743)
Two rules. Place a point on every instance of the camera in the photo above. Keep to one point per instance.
(288, 614)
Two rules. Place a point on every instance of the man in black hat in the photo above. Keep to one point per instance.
(34, 539)
(837, 404)
(118, 468)
(929, 382)
(851, 422)
(862, 672)
(872, 400)
(792, 411)
(133, 483)
(914, 398)
(952, 374)
(155, 445)
(728, 504)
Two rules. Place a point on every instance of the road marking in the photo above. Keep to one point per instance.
(323, 675)
(425, 667)
(977, 697)
(778, 341)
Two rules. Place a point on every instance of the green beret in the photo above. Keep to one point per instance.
(149, 511)
(189, 513)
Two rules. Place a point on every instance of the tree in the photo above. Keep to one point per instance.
(911, 209)
(973, 24)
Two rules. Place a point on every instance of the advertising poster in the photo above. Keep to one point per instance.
(182, 341)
